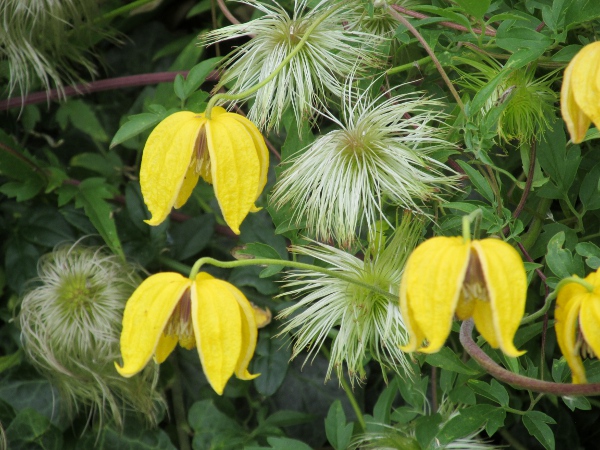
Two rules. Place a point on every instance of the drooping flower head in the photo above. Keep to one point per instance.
(483, 279)
(382, 153)
(209, 314)
(71, 322)
(580, 92)
(226, 150)
(367, 322)
(330, 54)
(577, 317)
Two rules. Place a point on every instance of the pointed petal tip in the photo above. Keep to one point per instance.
(124, 373)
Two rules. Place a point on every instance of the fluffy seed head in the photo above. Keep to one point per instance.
(365, 323)
(382, 153)
(71, 323)
(330, 54)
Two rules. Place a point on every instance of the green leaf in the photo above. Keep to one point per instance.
(277, 443)
(591, 253)
(467, 422)
(20, 261)
(30, 430)
(109, 165)
(339, 433)
(560, 261)
(92, 195)
(494, 391)
(271, 361)
(192, 236)
(12, 360)
(526, 44)
(479, 182)
(536, 423)
(559, 165)
(283, 418)
(427, 429)
(45, 226)
(263, 251)
(495, 421)
(17, 163)
(580, 11)
(197, 75)
(574, 403)
(131, 438)
(178, 86)
(23, 190)
(475, 8)
(82, 117)
(213, 428)
(137, 124)
(589, 191)
(382, 409)
(33, 394)
(447, 360)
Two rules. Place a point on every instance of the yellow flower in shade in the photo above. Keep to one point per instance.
(226, 150)
(209, 314)
(580, 92)
(446, 276)
(577, 304)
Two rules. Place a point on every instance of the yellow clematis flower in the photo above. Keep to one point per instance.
(207, 313)
(484, 279)
(580, 92)
(577, 304)
(226, 150)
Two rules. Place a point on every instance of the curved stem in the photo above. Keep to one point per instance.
(93, 86)
(353, 402)
(227, 13)
(277, 69)
(430, 52)
(417, 15)
(293, 264)
(532, 384)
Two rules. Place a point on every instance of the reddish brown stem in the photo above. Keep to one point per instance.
(417, 15)
(520, 381)
(227, 13)
(94, 86)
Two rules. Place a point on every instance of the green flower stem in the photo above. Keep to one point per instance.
(122, 10)
(535, 228)
(279, 262)
(175, 265)
(408, 66)
(531, 384)
(475, 218)
(277, 69)
(429, 50)
(349, 393)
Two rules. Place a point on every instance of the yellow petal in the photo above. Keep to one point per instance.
(145, 317)
(506, 283)
(235, 168)
(415, 334)
(218, 329)
(261, 151)
(166, 345)
(589, 316)
(190, 181)
(249, 332)
(584, 82)
(575, 119)
(165, 162)
(568, 305)
(430, 289)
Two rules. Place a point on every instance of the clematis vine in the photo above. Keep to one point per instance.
(580, 92)
(447, 276)
(226, 150)
(204, 312)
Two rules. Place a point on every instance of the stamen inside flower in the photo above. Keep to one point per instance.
(474, 288)
(180, 323)
(201, 156)
(582, 347)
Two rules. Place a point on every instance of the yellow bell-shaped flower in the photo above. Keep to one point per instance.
(580, 92)
(577, 304)
(207, 313)
(446, 276)
(226, 150)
